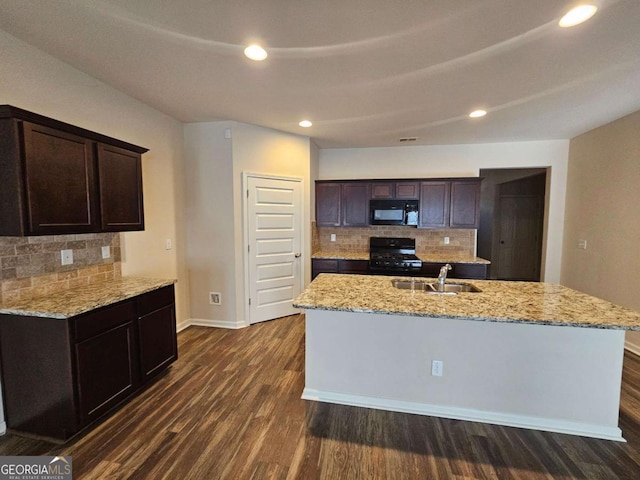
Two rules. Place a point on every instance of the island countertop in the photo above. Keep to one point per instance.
(76, 301)
(498, 301)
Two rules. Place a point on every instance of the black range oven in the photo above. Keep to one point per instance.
(393, 256)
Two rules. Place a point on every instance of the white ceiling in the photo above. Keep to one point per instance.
(366, 72)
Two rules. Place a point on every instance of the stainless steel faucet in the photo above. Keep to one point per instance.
(442, 277)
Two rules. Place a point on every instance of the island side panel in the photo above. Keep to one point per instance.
(563, 379)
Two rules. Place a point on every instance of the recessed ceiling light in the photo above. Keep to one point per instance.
(255, 52)
(477, 113)
(577, 15)
(305, 123)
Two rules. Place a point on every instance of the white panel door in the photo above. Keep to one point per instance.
(274, 222)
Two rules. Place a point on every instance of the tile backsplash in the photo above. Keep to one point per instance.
(31, 267)
(461, 241)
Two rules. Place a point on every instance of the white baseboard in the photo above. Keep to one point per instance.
(496, 418)
(632, 347)
(199, 322)
(3, 428)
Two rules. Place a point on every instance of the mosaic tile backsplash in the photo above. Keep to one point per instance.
(31, 266)
(461, 241)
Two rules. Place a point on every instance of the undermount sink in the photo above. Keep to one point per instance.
(433, 288)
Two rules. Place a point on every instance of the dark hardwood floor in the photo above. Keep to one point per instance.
(230, 408)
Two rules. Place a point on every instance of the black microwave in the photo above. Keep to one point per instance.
(393, 212)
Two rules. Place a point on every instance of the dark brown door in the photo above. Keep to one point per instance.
(465, 204)
(157, 337)
(105, 370)
(60, 181)
(407, 190)
(434, 204)
(328, 196)
(520, 230)
(120, 179)
(355, 204)
(382, 190)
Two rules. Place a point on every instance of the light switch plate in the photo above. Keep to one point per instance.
(106, 251)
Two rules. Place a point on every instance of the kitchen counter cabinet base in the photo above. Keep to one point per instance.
(551, 378)
(61, 375)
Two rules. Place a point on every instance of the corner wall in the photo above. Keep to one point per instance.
(602, 208)
(464, 161)
(214, 166)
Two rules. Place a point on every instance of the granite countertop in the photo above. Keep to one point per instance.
(80, 300)
(498, 301)
(425, 257)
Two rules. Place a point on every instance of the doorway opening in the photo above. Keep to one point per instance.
(511, 232)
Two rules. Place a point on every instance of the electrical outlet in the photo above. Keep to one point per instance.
(446, 240)
(169, 244)
(437, 368)
(215, 298)
(333, 237)
(66, 257)
(582, 244)
(106, 252)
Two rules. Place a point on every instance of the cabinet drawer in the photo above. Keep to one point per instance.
(353, 266)
(323, 265)
(152, 301)
(94, 323)
(471, 270)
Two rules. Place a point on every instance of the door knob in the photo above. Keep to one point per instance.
(297, 255)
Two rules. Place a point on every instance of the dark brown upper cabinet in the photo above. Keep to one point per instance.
(465, 204)
(328, 204)
(435, 198)
(61, 179)
(453, 203)
(342, 204)
(120, 175)
(395, 190)
(355, 204)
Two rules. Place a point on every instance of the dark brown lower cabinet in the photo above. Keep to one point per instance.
(326, 265)
(156, 332)
(61, 375)
(475, 271)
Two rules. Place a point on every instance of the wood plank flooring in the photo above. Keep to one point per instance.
(230, 408)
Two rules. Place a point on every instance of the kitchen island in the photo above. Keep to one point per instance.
(522, 354)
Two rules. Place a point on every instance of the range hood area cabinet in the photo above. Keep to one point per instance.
(444, 203)
(61, 179)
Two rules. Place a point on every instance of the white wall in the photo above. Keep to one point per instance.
(460, 161)
(35, 81)
(209, 207)
(603, 195)
(214, 205)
